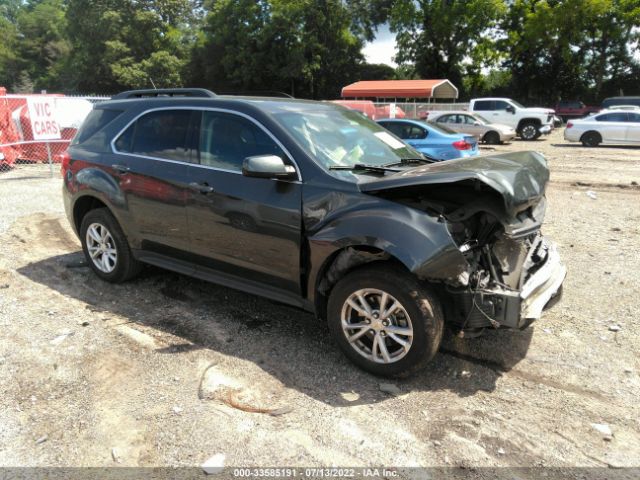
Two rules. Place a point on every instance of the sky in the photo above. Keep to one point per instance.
(382, 49)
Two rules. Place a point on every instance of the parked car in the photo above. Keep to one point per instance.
(354, 225)
(613, 101)
(569, 109)
(436, 141)
(473, 124)
(529, 123)
(607, 127)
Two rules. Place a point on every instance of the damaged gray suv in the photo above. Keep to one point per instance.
(316, 206)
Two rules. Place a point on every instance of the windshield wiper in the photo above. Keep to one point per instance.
(411, 161)
(365, 168)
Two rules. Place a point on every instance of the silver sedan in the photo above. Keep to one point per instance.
(610, 127)
(473, 124)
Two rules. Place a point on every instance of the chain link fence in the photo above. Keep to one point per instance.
(414, 110)
(23, 152)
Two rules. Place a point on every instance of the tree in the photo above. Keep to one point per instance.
(303, 47)
(446, 38)
(139, 43)
(568, 49)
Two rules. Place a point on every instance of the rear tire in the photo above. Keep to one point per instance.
(106, 248)
(591, 139)
(529, 131)
(386, 341)
(492, 138)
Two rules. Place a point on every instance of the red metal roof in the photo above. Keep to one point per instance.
(393, 88)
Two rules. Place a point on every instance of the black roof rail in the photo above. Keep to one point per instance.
(258, 93)
(165, 92)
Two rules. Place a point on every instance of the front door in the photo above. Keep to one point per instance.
(243, 226)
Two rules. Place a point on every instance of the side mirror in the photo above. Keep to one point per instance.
(268, 166)
(511, 109)
(476, 124)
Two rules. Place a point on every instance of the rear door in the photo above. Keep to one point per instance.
(150, 162)
(633, 128)
(613, 126)
(242, 226)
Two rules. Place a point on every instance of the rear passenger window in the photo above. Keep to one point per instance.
(483, 105)
(634, 117)
(612, 117)
(227, 139)
(162, 134)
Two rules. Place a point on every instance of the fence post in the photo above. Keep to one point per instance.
(50, 159)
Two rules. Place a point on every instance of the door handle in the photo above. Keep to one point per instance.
(121, 168)
(201, 187)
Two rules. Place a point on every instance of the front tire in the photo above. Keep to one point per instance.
(106, 248)
(529, 131)
(385, 320)
(492, 138)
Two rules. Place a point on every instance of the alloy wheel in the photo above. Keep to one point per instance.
(101, 247)
(376, 325)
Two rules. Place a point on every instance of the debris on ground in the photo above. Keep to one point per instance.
(214, 464)
(614, 328)
(592, 195)
(62, 337)
(501, 451)
(42, 439)
(350, 396)
(177, 410)
(115, 456)
(604, 429)
(390, 388)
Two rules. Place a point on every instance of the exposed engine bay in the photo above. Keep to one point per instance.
(503, 249)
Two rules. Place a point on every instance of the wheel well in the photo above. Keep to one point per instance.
(591, 132)
(342, 262)
(83, 206)
(524, 121)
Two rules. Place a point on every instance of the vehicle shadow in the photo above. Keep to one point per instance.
(284, 342)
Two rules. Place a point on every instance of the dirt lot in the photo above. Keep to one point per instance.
(160, 371)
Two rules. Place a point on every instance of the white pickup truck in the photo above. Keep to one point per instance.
(529, 123)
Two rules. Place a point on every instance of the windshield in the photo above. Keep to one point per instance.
(481, 119)
(519, 105)
(337, 137)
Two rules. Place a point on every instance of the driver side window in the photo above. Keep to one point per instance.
(227, 139)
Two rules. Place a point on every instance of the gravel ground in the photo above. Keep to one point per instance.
(162, 371)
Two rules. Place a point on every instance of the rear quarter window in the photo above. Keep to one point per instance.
(95, 121)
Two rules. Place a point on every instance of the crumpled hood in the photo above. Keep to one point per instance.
(520, 178)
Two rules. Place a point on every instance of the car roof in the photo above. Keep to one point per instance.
(438, 113)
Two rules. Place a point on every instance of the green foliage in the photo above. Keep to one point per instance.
(304, 47)
(446, 39)
(568, 49)
(533, 50)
